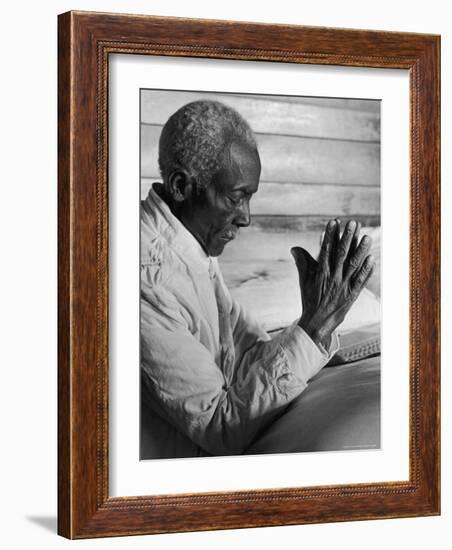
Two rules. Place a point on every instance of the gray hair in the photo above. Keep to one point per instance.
(197, 138)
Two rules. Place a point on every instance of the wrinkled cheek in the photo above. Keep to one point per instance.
(221, 221)
(225, 219)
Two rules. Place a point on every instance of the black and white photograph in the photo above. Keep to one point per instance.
(260, 274)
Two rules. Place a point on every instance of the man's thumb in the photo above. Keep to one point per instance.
(301, 257)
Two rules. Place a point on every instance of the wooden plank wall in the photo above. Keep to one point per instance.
(320, 159)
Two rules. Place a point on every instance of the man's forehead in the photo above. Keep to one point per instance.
(242, 152)
(227, 180)
(242, 168)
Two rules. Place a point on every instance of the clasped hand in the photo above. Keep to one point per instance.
(330, 285)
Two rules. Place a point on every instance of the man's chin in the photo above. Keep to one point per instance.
(217, 248)
(216, 252)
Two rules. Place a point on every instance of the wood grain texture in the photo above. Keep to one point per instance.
(305, 159)
(290, 116)
(307, 223)
(64, 295)
(296, 199)
(85, 508)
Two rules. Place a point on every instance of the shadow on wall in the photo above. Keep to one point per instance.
(49, 523)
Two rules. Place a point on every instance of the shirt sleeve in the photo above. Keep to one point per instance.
(304, 358)
(188, 389)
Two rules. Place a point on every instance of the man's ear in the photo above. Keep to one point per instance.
(181, 185)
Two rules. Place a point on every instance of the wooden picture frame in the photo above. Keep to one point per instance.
(85, 42)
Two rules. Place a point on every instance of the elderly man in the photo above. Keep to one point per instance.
(212, 378)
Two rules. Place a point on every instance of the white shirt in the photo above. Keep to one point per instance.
(190, 406)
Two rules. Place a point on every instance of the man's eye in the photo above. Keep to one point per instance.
(234, 200)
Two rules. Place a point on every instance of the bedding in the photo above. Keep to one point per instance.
(338, 411)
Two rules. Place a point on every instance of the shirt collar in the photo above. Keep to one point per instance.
(159, 216)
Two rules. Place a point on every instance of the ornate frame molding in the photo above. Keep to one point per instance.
(85, 42)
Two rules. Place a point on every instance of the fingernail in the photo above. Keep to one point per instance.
(351, 225)
(331, 224)
(366, 239)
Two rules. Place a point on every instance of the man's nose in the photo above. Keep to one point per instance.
(243, 217)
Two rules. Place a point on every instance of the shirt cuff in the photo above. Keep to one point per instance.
(305, 357)
(333, 348)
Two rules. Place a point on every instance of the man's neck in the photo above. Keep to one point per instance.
(175, 209)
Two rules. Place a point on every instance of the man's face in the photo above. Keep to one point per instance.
(219, 211)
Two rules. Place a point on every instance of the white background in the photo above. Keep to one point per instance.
(28, 233)
(128, 476)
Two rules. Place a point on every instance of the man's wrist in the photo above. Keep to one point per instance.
(319, 336)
